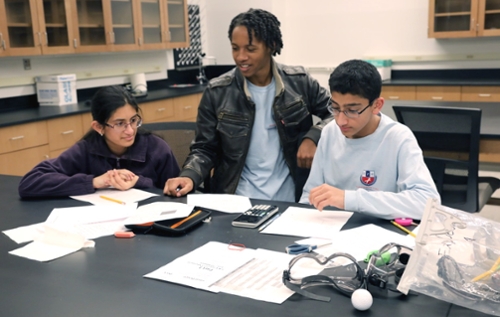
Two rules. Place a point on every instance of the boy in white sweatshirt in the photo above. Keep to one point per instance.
(365, 161)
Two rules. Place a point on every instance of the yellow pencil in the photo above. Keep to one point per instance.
(113, 200)
(175, 225)
(404, 229)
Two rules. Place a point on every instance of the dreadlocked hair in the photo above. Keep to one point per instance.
(263, 24)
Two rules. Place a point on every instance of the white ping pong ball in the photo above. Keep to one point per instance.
(361, 299)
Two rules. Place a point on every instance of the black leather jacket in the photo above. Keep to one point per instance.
(225, 119)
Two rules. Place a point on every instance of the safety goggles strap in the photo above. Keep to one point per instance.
(299, 288)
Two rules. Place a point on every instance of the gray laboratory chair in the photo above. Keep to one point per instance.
(449, 138)
(178, 135)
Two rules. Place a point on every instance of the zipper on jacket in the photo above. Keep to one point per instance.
(117, 162)
(231, 116)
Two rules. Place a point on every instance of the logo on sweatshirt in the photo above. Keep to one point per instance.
(368, 178)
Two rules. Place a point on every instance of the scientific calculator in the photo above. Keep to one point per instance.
(255, 216)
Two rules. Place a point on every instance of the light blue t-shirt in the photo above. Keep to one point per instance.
(265, 174)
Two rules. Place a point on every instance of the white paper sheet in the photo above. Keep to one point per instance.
(92, 221)
(305, 222)
(360, 241)
(261, 278)
(52, 244)
(127, 196)
(203, 266)
(25, 233)
(158, 211)
(221, 202)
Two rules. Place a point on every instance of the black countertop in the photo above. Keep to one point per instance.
(50, 112)
(444, 77)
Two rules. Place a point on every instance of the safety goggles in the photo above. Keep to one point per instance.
(380, 275)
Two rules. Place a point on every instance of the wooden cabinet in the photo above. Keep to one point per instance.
(177, 25)
(20, 162)
(33, 27)
(63, 133)
(157, 111)
(481, 93)
(463, 18)
(86, 121)
(398, 92)
(186, 108)
(183, 108)
(23, 136)
(442, 93)
(22, 147)
(489, 18)
(438, 93)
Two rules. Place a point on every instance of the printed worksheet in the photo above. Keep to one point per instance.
(204, 266)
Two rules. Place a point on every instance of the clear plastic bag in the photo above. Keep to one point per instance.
(456, 259)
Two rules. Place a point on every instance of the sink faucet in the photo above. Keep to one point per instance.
(202, 79)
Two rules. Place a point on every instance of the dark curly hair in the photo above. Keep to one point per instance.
(263, 24)
(358, 78)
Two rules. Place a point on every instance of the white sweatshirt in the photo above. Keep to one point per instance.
(383, 174)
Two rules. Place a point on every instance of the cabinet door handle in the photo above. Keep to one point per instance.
(3, 45)
(394, 97)
(19, 137)
(112, 37)
(46, 39)
(188, 107)
(39, 38)
(140, 41)
(160, 109)
(485, 95)
(437, 98)
(67, 132)
(2, 41)
(46, 156)
(75, 43)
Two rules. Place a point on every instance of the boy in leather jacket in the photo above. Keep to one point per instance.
(255, 126)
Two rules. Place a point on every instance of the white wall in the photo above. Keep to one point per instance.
(320, 34)
(325, 33)
(218, 15)
(92, 70)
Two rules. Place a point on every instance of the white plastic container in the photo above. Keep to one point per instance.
(384, 67)
(56, 90)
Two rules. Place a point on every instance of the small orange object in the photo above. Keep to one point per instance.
(124, 234)
(236, 246)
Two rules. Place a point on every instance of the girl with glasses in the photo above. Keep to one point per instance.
(115, 152)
